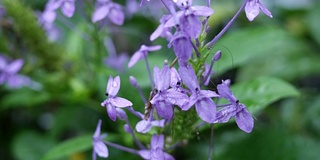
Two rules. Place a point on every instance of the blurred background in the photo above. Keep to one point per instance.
(53, 113)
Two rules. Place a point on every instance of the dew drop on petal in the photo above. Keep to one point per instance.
(114, 84)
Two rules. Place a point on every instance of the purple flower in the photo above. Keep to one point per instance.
(9, 70)
(99, 148)
(142, 53)
(243, 118)
(108, 9)
(162, 31)
(189, 17)
(117, 62)
(112, 100)
(253, 7)
(181, 45)
(145, 126)
(67, 7)
(156, 150)
(165, 98)
(205, 107)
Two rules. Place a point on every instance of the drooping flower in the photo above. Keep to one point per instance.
(181, 45)
(113, 101)
(243, 118)
(205, 107)
(108, 9)
(99, 148)
(142, 53)
(253, 7)
(165, 98)
(156, 150)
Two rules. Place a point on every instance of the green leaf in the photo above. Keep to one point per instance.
(69, 147)
(243, 46)
(259, 93)
(24, 97)
(314, 23)
(30, 145)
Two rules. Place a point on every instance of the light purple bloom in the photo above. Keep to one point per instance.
(145, 126)
(188, 17)
(109, 9)
(205, 107)
(112, 100)
(243, 118)
(67, 7)
(142, 53)
(117, 62)
(165, 98)
(156, 150)
(99, 148)
(181, 45)
(253, 7)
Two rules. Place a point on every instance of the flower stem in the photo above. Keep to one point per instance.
(121, 147)
(218, 36)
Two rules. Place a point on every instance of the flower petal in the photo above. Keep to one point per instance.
(101, 149)
(100, 13)
(202, 11)
(145, 154)
(113, 86)
(252, 9)
(14, 66)
(137, 56)
(225, 92)
(244, 120)
(143, 126)
(116, 15)
(120, 102)
(68, 8)
(189, 78)
(157, 141)
(111, 110)
(97, 131)
(164, 109)
(206, 109)
(157, 32)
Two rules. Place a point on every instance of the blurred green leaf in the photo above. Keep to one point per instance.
(69, 147)
(30, 145)
(314, 23)
(243, 46)
(259, 93)
(24, 97)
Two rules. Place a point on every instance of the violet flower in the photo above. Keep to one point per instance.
(108, 9)
(205, 107)
(181, 45)
(142, 53)
(189, 17)
(67, 7)
(243, 118)
(112, 100)
(156, 150)
(253, 7)
(165, 98)
(99, 148)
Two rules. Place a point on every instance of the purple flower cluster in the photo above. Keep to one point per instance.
(174, 90)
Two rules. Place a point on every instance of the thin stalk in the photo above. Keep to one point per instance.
(218, 36)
